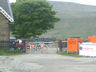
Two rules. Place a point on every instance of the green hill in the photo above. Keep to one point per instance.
(77, 20)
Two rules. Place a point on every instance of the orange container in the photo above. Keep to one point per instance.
(92, 39)
(73, 44)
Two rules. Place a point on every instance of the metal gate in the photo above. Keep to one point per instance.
(41, 48)
(45, 47)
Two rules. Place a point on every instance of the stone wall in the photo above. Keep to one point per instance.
(4, 32)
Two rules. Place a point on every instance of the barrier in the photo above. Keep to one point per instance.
(31, 47)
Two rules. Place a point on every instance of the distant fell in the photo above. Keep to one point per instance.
(77, 20)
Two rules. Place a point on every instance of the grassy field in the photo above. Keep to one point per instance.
(76, 21)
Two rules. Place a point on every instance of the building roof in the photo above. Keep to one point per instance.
(2, 11)
(6, 6)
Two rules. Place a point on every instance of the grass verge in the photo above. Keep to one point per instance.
(69, 54)
(9, 52)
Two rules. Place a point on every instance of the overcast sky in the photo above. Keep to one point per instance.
(87, 2)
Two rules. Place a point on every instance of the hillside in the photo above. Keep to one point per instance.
(76, 20)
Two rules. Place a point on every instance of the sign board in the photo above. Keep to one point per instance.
(87, 49)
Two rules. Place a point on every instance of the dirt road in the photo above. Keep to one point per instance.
(46, 63)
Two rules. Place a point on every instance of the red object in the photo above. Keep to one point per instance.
(73, 44)
(28, 45)
(58, 42)
(92, 39)
(17, 44)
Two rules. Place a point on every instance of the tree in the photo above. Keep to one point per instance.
(32, 18)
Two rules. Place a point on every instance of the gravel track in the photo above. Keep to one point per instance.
(46, 63)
